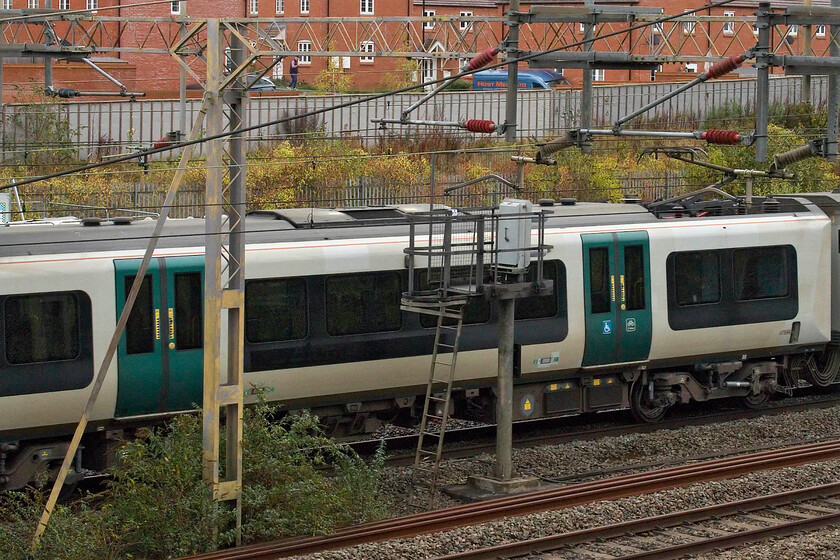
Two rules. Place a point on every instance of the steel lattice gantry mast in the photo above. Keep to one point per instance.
(224, 271)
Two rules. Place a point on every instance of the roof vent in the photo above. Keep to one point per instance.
(122, 220)
(568, 201)
(546, 202)
(770, 205)
(91, 221)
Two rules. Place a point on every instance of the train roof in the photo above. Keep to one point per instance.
(72, 235)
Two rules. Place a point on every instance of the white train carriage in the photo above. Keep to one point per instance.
(647, 312)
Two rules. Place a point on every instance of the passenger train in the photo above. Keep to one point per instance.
(651, 307)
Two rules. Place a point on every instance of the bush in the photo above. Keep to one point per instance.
(156, 505)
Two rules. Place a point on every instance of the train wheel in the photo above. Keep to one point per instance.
(755, 401)
(642, 408)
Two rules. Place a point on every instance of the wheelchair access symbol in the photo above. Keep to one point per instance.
(606, 327)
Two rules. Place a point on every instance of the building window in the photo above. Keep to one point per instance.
(366, 7)
(755, 29)
(91, 4)
(304, 6)
(431, 24)
(659, 28)
(304, 47)
(821, 31)
(175, 8)
(280, 6)
(429, 70)
(598, 75)
(255, 6)
(793, 31)
(465, 25)
(729, 26)
(688, 27)
(62, 4)
(7, 5)
(366, 47)
(32, 4)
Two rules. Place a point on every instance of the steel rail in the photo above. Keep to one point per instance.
(535, 502)
(650, 524)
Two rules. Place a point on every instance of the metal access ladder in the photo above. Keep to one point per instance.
(436, 408)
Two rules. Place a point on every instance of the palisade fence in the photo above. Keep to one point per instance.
(105, 127)
(145, 198)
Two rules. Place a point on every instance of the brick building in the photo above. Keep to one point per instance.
(158, 74)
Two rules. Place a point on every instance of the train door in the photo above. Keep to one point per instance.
(160, 355)
(616, 275)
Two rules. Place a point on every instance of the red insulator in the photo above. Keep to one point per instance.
(478, 125)
(162, 143)
(483, 58)
(725, 66)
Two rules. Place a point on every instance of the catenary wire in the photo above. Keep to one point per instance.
(227, 134)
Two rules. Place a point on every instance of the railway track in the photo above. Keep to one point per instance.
(687, 532)
(534, 502)
(575, 428)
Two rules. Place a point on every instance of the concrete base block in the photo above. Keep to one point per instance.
(480, 488)
(496, 486)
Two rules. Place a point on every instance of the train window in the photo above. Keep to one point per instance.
(140, 329)
(535, 307)
(760, 272)
(634, 277)
(363, 303)
(41, 328)
(189, 318)
(697, 277)
(599, 280)
(476, 311)
(275, 310)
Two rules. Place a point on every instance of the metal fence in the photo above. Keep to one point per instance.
(103, 127)
(141, 198)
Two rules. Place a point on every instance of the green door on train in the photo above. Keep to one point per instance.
(160, 355)
(616, 276)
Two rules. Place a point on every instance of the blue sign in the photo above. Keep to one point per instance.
(606, 327)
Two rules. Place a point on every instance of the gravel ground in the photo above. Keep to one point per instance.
(586, 456)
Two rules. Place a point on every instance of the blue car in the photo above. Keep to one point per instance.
(528, 79)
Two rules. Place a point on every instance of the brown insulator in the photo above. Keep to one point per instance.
(725, 66)
(713, 136)
(483, 58)
(479, 125)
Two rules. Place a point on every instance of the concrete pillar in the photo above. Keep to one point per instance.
(504, 392)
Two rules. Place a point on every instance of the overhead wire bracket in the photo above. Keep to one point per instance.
(472, 125)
